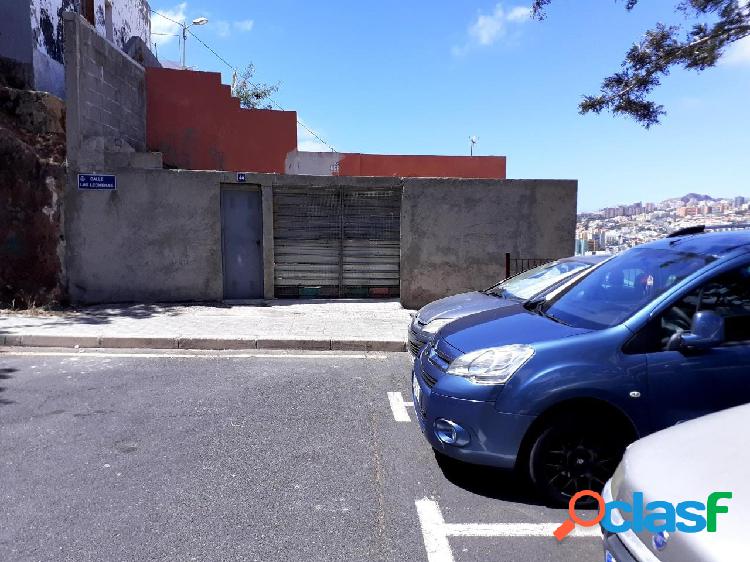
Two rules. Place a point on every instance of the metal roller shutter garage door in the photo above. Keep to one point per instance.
(336, 241)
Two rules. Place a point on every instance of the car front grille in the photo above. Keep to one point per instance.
(428, 379)
(414, 347)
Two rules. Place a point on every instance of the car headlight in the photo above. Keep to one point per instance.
(494, 365)
(434, 326)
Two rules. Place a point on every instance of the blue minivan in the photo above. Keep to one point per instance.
(559, 386)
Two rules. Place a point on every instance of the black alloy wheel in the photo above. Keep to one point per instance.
(569, 456)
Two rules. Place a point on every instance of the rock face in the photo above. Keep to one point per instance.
(32, 183)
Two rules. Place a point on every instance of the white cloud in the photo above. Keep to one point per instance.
(519, 14)
(164, 31)
(738, 53)
(306, 141)
(222, 28)
(487, 29)
(244, 25)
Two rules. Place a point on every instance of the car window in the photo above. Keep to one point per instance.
(530, 283)
(728, 295)
(620, 287)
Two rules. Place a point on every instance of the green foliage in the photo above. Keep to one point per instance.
(718, 23)
(252, 95)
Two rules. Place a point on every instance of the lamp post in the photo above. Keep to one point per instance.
(196, 21)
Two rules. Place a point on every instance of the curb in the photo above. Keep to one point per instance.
(217, 344)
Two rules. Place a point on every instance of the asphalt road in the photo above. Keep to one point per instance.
(266, 457)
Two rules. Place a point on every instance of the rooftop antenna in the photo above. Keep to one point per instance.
(473, 140)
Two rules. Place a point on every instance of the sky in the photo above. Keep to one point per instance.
(422, 77)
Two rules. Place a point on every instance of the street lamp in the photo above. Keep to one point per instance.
(196, 21)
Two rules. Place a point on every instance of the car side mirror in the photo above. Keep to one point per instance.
(706, 331)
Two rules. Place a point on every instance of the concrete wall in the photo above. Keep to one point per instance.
(423, 166)
(156, 238)
(106, 96)
(395, 165)
(454, 233)
(194, 121)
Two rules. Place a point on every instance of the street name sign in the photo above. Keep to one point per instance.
(97, 181)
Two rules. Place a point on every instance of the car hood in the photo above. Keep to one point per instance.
(688, 462)
(503, 326)
(463, 304)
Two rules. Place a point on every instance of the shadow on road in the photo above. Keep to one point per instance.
(5, 374)
(489, 482)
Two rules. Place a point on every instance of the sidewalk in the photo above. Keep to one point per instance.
(362, 325)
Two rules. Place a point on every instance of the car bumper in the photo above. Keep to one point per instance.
(625, 546)
(614, 550)
(495, 437)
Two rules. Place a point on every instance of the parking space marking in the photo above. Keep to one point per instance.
(398, 407)
(435, 531)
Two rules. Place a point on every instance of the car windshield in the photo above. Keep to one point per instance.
(530, 283)
(619, 288)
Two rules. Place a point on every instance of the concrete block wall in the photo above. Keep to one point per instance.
(106, 95)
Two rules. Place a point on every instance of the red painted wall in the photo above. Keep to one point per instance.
(196, 124)
(490, 167)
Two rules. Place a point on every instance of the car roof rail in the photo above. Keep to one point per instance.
(701, 228)
(728, 227)
(688, 231)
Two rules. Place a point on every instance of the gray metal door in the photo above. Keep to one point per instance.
(242, 243)
(337, 241)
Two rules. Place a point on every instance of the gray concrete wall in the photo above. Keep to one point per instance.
(49, 75)
(455, 233)
(312, 163)
(157, 237)
(106, 96)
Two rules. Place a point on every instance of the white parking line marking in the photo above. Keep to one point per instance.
(398, 407)
(435, 531)
(190, 355)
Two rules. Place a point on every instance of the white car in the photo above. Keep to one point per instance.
(687, 462)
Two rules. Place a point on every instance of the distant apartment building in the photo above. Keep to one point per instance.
(31, 36)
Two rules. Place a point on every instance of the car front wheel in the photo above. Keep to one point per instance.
(569, 456)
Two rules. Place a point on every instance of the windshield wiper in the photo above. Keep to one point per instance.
(537, 307)
(533, 304)
(550, 317)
